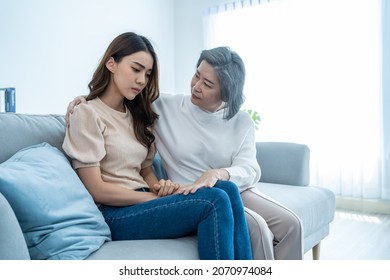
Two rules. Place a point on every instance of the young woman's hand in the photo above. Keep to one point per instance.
(78, 100)
(166, 187)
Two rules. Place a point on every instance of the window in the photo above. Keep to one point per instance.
(314, 71)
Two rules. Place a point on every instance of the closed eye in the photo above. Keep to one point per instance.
(207, 85)
(206, 82)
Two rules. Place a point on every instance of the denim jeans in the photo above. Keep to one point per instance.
(215, 214)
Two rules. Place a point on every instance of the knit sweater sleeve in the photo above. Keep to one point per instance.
(84, 141)
(245, 170)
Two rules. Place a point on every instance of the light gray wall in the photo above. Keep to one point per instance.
(50, 48)
(189, 41)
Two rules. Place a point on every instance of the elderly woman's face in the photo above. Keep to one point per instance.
(205, 88)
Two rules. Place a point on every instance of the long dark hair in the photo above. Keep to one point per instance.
(140, 107)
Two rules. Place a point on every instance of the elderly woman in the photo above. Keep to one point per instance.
(204, 137)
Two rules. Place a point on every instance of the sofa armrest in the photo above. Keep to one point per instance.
(284, 163)
(12, 243)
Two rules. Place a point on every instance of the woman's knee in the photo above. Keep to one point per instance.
(294, 223)
(260, 235)
(229, 187)
(217, 206)
(216, 197)
(273, 212)
(225, 184)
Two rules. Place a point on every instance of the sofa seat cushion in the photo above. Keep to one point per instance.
(315, 206)
(57, 215)
(185, 248)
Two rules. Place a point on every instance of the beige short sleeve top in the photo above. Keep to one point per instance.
(101, 136)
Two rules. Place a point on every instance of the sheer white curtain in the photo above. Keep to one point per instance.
(386, 94)
(314, 71)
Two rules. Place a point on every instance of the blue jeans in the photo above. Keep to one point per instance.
(215, 214)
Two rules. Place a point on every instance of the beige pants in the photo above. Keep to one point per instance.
(276, 233)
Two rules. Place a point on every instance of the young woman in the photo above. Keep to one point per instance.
(204, 137)
(111, 145)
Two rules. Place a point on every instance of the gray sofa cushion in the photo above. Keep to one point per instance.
(185, 248)
(58, 216)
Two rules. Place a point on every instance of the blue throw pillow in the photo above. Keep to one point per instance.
(58, 216)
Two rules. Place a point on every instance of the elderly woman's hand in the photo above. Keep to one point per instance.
(207, 180)
(78, 100)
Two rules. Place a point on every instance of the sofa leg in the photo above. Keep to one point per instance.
(316, 251)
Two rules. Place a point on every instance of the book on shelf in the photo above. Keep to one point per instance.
(7, 100)
(2, 101)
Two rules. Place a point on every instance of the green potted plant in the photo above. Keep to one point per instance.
(255, 117)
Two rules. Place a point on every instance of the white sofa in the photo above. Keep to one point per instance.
(285, 178)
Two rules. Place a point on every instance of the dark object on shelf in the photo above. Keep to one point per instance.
(9, 103)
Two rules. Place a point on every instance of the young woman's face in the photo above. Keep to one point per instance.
(205, 88)
(131, 74)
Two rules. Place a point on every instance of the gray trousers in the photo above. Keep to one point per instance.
(276, 233)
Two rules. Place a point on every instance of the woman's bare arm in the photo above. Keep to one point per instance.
(110, 194)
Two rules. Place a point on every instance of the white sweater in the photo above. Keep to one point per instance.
(191, 140)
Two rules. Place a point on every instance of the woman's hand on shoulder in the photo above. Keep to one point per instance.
(78, 100)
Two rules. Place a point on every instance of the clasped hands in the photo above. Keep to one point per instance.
(207, 180)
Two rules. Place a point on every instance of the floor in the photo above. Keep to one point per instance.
(356, 236)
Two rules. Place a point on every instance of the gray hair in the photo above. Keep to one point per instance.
(230, 70)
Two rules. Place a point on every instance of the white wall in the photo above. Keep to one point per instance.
(189, 40)
(50, 48)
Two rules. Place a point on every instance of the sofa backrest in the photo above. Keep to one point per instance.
(281, 163)
(18, 131)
